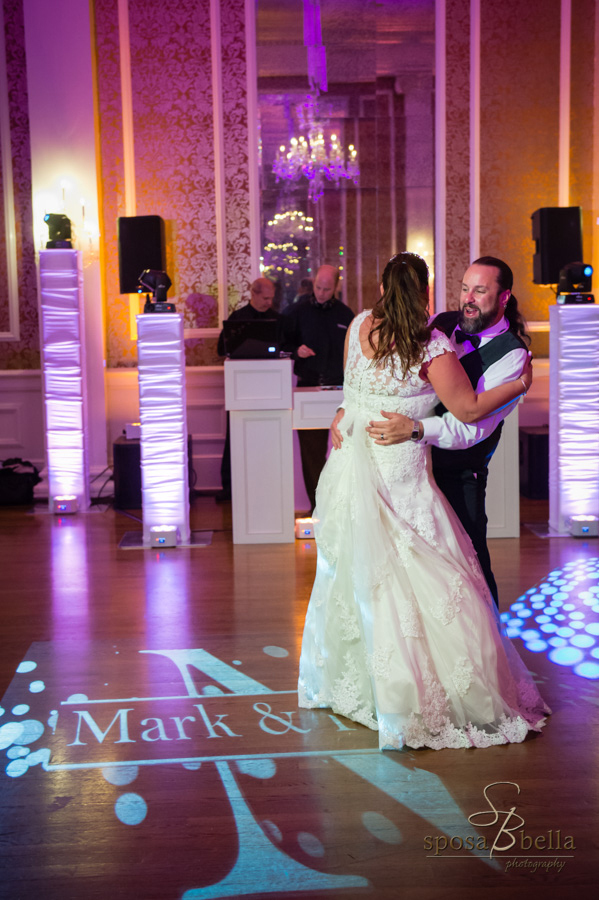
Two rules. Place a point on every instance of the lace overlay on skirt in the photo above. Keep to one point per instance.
(401, 632)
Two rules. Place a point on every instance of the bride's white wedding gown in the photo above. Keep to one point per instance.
(401, 632)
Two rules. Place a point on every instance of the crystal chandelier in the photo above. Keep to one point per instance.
(292, 224)
(308, 156)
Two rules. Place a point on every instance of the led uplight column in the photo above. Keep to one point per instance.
(573, 414)
(163, 417)
(63, 362)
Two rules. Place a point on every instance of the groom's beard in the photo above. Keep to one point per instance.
(478, 323)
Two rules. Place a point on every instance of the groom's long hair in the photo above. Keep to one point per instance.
(400, 318)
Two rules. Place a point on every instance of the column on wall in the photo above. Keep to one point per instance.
(454, 144)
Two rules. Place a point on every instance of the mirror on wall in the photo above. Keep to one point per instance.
(346, 102)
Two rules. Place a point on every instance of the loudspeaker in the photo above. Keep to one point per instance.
(127, 473)
(141, 246)
(126, 456)
(557, 231)
(534, 462)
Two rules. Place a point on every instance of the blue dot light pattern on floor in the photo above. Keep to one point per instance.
(559, 616)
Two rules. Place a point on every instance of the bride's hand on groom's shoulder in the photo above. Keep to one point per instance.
(395, 427)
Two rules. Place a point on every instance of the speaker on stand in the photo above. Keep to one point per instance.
(141, 246)
(557, 231)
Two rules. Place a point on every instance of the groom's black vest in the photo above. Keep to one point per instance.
(474, 364)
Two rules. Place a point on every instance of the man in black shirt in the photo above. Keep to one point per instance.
(314, 330)
(262, 294)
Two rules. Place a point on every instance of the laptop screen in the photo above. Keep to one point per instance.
(252, 339)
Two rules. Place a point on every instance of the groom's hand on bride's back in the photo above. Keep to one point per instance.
(396, 428)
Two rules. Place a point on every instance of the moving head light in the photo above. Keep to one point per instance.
(575, 283)
(158, 283)
(59, 231)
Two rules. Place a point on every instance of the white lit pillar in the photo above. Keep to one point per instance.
(573, 414)
(163, 417)
(63, 361)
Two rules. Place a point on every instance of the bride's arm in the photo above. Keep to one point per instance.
(336, 436)
(454, 390)
(346, 344)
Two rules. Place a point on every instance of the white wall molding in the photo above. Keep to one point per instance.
(201, 333)
(127, 109)
(474, 129)
(253, 114)
(206, 419)
(219, 160)
(22, 416)
(11, 288)
(565, 79)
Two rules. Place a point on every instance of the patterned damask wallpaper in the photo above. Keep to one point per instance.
(25, 353)
(519, 136)
(171, 72)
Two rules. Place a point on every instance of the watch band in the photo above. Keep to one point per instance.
(415, 436)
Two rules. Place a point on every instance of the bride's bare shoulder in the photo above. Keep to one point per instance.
(366, 327)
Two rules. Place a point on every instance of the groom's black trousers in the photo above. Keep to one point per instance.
(466, 489)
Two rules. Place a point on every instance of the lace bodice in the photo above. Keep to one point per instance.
(370, 387)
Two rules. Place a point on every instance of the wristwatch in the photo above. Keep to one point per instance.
(415, 436)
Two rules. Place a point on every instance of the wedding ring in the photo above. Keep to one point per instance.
(382, 437)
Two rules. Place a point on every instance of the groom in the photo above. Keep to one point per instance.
(489, 338)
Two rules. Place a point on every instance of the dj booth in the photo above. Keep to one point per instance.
(264, 410)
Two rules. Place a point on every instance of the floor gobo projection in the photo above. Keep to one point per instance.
(116, 729)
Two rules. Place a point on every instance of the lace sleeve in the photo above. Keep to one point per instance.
(437, 345)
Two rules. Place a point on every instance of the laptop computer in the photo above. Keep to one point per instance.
(252, 339)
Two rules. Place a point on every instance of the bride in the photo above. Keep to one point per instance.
(401, 632)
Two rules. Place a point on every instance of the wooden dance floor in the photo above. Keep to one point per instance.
(151, 747)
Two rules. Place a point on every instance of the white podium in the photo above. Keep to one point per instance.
(264, 409)
(259, 399)
(573, 413)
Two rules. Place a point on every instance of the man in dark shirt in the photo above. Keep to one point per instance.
(314, 330)
(262, 293)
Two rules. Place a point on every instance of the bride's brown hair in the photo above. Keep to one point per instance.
(400, 318)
